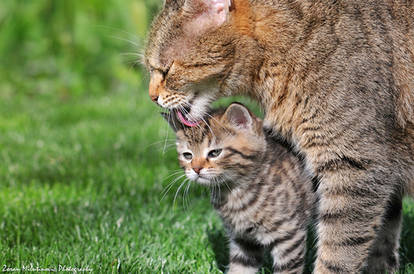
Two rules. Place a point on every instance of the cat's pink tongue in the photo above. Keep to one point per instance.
(185, 121)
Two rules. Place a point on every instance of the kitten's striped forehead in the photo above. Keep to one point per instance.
(197, 135)
(210, 129)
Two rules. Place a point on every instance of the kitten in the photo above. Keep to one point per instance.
(258, 188)
(336, 81)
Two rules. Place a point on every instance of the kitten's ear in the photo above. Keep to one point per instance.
(172, 121)
(169, 2)
(238, 116)
(206, 14)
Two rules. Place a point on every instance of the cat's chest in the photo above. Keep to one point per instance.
(241, 214)
(281, 93)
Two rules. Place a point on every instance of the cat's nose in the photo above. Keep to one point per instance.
(197, 169)
(154, 98)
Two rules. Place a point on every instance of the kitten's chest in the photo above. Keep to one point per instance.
(240, 222)
(242, 214)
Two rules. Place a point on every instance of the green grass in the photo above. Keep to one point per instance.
(82, 160)
(82, 183)
(81, 186)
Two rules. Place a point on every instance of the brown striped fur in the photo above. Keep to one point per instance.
(336, 80)
(258, 187)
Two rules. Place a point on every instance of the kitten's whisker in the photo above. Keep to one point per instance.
(169, 186)
(158, 143)
(178, 190)
(185, 194)
(224, 180)
(176, 179)
(227, 178)
(173, 174)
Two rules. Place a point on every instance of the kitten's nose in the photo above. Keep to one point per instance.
(197, 169)
(154, 98)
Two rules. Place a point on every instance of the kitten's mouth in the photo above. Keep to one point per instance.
(185, 119)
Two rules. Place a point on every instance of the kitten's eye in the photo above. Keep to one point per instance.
(188, 155)
(214, 153)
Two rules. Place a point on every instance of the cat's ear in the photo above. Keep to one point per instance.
(237, 115)
(172, 121)
(206, 14)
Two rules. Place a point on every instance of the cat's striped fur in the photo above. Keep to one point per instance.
(336, 81)
(258, 188)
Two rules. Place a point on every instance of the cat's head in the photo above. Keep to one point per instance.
(226, 148)
(190, 54)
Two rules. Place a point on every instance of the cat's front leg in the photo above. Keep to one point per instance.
(384, 254)
(352, 206)
(246, 256)
(288, 251)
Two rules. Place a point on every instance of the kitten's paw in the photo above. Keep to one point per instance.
(241, 269)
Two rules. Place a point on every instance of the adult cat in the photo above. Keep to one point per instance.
(336, 79)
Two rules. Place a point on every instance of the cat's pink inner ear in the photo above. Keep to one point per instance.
(239, 116)
(208, 15)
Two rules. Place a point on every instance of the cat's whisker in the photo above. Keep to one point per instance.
(178, 191)
(131, 34)
(173, 119)
(131, 39)
(205, 122)
(183, 110)
(160, 142)
(133, 59)
(225, 179)
(173, 174)
(213, 191)
(170, 185)
(137, 44)
(130, 53)
(177, 178)
(185, 194)
(218, 122)
(166, 136)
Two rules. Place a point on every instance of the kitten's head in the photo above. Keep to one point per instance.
(190, 52)
(226, 148)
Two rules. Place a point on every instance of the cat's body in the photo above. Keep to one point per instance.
(336, 80)
(269, 210)
(258, 187)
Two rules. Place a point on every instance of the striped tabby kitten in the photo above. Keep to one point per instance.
(258, 188)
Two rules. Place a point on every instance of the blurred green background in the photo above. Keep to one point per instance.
(85, 157)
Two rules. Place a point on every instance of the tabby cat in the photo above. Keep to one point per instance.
(258, 188)
(336, 80)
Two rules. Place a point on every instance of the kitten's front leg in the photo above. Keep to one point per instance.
(289, 251)
(246, 256)
(351, 209)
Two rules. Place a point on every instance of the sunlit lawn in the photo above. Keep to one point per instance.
(85, 157)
